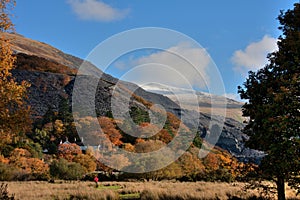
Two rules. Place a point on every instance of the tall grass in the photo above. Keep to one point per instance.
(146, 190)
(60, 190)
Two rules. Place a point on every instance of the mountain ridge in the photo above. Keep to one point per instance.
(205, 100)
(48, 88)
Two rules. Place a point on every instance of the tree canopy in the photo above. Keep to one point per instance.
(14, 113)
(273, 106)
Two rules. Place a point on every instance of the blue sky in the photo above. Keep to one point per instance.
(237, 34)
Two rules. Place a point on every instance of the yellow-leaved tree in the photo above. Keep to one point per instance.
(14, 113)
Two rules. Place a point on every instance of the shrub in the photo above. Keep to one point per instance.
(86, 161)
(28, 168)
(6, 150)
(75, 171)
(62, 169)
(7, 172)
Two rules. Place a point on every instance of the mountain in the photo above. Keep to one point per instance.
(204, 103)
(27, 46)
(52, 76)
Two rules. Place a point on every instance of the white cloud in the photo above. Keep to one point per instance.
(96, 10)
(179, 66)
(255, 55)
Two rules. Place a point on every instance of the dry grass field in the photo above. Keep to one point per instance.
(130, 190)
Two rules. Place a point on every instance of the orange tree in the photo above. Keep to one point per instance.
(273, 103)
(68, 151)
(22, 159)
(14, 113)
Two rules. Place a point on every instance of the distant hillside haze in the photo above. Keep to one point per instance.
(204, 104)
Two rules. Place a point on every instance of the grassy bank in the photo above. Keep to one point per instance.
(129, 190)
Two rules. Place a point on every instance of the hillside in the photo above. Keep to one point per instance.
(233, 108)
(42, 50)
(52, 75)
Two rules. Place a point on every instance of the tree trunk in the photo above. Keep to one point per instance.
(280, 188)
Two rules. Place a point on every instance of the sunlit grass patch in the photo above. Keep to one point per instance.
(130, 196)
(110, 187)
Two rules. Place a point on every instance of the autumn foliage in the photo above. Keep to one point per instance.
(14, 113)
(68, 151)
(22, 159)
(109, 128)
(37, 154)
(34, 63)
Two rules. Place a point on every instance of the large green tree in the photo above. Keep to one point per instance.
(273, 107)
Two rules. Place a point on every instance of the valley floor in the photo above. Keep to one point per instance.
(130, 190)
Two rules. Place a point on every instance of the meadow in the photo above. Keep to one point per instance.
(63, 190)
